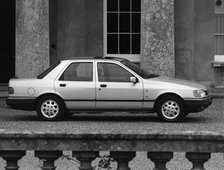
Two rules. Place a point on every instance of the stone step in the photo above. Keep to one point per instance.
(4, 90)
(3, 87)
(4, 94)
(217, 89)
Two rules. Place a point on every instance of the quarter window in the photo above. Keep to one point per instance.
(109, 72)
(78, 72)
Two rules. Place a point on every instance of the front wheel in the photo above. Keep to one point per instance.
(171, 109)
(50, 108)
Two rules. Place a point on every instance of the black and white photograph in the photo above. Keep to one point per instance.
(112, 85)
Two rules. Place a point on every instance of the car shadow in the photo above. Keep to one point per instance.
(117, 118)
(92, 117)
(132, 118)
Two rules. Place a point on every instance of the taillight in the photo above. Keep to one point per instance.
(11, 90)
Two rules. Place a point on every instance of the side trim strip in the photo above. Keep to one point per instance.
(21, 98)
(109, 100)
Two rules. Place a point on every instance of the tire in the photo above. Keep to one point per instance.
(50, 108)
(170, 109)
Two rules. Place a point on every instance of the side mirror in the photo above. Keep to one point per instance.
(133, 79)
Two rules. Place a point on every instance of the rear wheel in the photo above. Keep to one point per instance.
(171, 109)
(50, 108)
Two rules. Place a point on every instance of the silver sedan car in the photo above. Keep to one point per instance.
(105, 84)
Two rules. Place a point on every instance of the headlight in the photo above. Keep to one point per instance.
(199, 93)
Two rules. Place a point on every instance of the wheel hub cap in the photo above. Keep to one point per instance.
(49, 108)
(170, 109)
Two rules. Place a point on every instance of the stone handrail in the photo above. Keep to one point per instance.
(122, 146)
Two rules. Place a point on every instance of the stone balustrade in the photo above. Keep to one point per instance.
(160, 147)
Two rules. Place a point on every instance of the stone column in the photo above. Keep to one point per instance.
(157, 39)
(32, 37)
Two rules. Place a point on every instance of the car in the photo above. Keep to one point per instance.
(105, 84)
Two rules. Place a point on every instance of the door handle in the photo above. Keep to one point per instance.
(62, 85)
(103, 85)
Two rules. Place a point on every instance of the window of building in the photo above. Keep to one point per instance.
(78, 72)
(122, 28)
(219, 31)
(108, 72)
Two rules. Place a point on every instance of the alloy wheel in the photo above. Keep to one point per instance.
(170, 109)
(49, 108)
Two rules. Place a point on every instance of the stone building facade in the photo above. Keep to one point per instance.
(177, 38)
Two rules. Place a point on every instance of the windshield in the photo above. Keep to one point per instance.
(140, 71)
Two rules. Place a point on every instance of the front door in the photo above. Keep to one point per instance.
(7, 42)
(115, 91)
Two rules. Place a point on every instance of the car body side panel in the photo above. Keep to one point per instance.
(148, 105)
(119, 95)
(60, 68)
(32, 88)
(153, 90)
(155, 87)
(77, 94)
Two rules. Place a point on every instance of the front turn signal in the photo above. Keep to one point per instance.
(11, 90)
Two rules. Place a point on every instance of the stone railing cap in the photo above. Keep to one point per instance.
(178, 135)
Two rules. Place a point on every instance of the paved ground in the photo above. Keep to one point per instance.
(211, 119)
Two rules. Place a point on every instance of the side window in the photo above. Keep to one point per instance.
(109, 72)
(78, 72)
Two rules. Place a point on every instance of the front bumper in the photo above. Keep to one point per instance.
(197, 105)
(21, 103)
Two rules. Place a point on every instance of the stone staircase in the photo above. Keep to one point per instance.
(3, 90)
(217, 91)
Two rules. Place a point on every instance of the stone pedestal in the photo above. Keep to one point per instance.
(48, 158)
(12, 158)
(123, 159)
(85, 158)
(198, 159)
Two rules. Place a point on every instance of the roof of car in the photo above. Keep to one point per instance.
(94, 58)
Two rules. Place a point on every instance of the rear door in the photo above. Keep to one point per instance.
(114, 90)
(77, 86)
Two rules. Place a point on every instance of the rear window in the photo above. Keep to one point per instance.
(44, 73)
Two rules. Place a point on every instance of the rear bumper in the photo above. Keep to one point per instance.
(21, 103)
(197, 105)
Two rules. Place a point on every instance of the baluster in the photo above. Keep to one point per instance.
(85, 158)
(198, 159)
(123, 158)
(12, 158)
(48, 158)
(160, 159)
